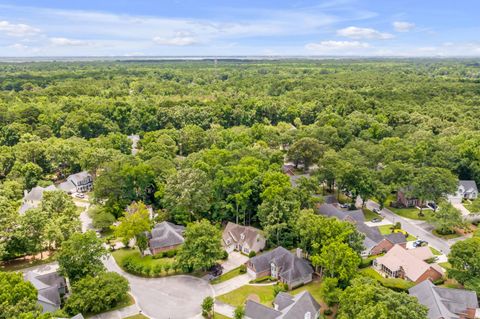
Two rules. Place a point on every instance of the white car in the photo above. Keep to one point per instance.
(79, 195)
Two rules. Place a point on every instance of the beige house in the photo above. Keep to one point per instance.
(408, 264)
(242, 238)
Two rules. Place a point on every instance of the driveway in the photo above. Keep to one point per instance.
(461, 208)
(232, 284)
(417, 228)
(174, 297)
(234, 260)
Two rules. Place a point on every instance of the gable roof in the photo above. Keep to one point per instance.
(36, 193)
(396, 238)
(410, 260)
(48, 286)
(291, 267)
(288, 307)
(234, 233)
(79, 177)
(166, 234)
(255, 310)
(444, 303)
(468, 184)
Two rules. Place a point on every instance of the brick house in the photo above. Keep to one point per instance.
(164, 237)
(406, 200)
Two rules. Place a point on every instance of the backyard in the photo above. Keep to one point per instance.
(393, 283)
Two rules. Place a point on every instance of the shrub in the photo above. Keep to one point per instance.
(440, 281)
(225, 255)
(262, 279)
(171, 253)
(327, 312)
(158, 256)
(278, 288)
(366, 262)
(252, 254)
(243, 269)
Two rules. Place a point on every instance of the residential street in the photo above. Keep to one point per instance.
(417, 228)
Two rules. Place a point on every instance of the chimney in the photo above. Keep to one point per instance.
(299, 253)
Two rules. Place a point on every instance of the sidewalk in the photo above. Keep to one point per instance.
(224, 309)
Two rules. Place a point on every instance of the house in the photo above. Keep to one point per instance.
(406, 200)
(374, 243)
(467, 189)
(285, 306)
(408, 264)
(279, 263)
(242, 238)
(50, 286)
(80, 183)
(446, 303)
(33, 198)
(165, 236)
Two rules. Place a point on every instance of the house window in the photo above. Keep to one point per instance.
(308, 315)
(273, 270)
(246, 250)
(242, 236)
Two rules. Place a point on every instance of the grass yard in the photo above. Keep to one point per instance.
(219, 316)
(411, 213)
(385, 230)
(445, 265)
(393, 283)
(435, 252)
(227, 276)
(265, 294)
(369, 215)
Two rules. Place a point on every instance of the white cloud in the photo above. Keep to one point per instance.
(17, 30)
(363, 33)
(403, 26)
(18, 46)
(181, 38)
(338, 47)
(68, 42)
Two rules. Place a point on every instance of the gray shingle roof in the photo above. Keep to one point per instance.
(469, 184)
(48, 286)
(36, 194)
(396, 238)
(289, 307)
(255, 310)
(166, 234)
(234, 233)
(291, 267)
(444, 303)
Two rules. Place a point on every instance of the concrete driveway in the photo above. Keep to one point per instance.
(234, 260)
(174, 297)
(232, 284)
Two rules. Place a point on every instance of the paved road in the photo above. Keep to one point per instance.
(419, 229)
(175, 297)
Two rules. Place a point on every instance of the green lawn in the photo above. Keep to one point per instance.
(411, 213)
(369, 215)
(393, 283)
(385, 230)
(435, 252)
(148, 261)
(219, 316)
(265, 294)
(227, 276)
(445, 265)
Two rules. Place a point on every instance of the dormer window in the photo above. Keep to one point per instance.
(242, 236)
(308, 315)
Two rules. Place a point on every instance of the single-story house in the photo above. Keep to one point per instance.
(467, 189)
(283, 265)
(375, 243)
(50, 286)
(242, 238)
(33, 198)
(165, 236)
(80, 183)
(405, 200)
(301, 306)
(446, 303)
(408, 264)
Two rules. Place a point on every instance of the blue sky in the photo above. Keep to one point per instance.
(217, 28)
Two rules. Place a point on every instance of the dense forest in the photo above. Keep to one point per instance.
(214, 135)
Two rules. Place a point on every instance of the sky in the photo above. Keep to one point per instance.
(239, 28)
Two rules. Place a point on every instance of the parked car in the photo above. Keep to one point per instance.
(216, 270)
(419, 243)
(376, 210)
(432, 205)
(79, 195)
(376, 220)
(344, 205)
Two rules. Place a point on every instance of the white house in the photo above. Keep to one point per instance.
(80, 182)
(467, 189)
(32, 198)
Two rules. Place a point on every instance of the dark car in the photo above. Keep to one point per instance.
(419, 243)
(432, 205)
(216, 270)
